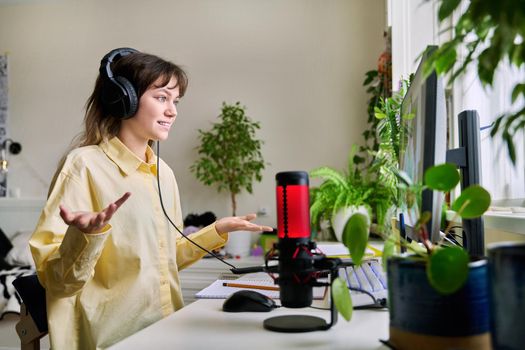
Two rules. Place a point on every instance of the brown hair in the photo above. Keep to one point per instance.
(142, 70)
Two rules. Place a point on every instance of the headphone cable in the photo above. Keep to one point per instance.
(171, 222)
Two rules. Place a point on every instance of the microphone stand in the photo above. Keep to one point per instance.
(307, 323)
(303, 323)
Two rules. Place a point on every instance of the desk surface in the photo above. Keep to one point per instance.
(203, 324)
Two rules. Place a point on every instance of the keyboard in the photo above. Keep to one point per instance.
(368, 277)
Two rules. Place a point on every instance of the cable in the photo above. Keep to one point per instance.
(171, 222)
(378, 302)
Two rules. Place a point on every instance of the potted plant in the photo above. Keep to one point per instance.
(489, 34)
(343, 193)
(368, 188)
(230, 155)
(438, 295)
(378, 83)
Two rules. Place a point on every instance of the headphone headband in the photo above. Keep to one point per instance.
(113, 55)
(118, 95)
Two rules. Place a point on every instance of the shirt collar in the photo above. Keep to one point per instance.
(126, 160)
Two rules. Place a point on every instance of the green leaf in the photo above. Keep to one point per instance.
(510, 147)
(447, 269)
(380, 115)
(446, 8)
(342, 299)
(389, 249)
(443, 177)
(472, 202)
(518, 89)
(486, 66)
(403, 177)
(446, 60)
(330, 175)
(355, 236)
(424, 218)
(408, 116)
(417, 248)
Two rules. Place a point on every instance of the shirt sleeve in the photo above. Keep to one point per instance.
(65, 257)
(208, 237)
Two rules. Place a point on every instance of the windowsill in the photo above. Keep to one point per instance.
(505, 221)
(500, 220)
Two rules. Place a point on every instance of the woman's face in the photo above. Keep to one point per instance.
(156, 113)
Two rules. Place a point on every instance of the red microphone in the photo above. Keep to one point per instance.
(294, 245)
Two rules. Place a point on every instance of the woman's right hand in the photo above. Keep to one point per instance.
(90, 222)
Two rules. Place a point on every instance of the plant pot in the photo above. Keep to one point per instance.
(422, 318)
(507, 294)
(239, 243)
(341, 217)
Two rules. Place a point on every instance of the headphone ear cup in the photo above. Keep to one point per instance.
(130, 100)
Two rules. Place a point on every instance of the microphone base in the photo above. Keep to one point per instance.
(295, 324)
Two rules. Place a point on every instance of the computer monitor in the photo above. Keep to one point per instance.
(468, 159)
(426, 142)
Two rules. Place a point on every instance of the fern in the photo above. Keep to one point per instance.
(330, 175)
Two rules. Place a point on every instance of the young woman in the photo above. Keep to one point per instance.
(105, 252)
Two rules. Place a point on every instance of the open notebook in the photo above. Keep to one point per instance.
(218, 289)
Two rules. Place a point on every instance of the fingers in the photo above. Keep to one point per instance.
(257, 228)
(112, 208)
(65, 214)
(248, 217)
(109, 211)
(89, 221)
(254, 227)
(122, 199)
(98, 220)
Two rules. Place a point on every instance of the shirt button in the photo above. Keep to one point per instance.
(163, 282)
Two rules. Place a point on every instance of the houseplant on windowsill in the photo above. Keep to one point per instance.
(430, 290)
(369, 186)
(230, 158)
(345, 193)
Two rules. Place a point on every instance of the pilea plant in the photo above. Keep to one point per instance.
(446, 265)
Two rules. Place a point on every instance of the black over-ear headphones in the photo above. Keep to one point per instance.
(118, 95)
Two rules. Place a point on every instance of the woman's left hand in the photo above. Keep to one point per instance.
(240, 223)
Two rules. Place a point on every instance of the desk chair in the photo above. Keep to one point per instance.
(33, 313)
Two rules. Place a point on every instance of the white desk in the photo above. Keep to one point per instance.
(203, 325)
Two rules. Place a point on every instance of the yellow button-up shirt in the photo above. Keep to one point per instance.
(101, 288)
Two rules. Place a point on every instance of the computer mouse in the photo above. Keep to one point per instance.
(248, 300)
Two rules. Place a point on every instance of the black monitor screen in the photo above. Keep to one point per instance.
(426, 141)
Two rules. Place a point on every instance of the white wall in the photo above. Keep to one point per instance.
(297, 65)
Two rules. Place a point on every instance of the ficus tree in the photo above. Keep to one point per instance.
(229, 154)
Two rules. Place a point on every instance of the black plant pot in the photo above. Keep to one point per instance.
(507, 295)
(422, 318)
